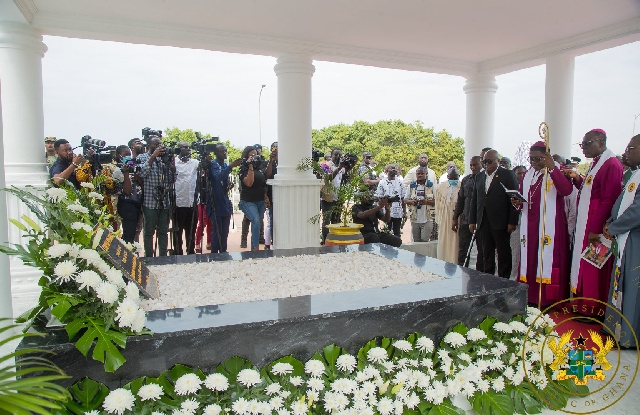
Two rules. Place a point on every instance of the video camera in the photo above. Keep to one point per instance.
(316, 155)
(390, 199)
(171, 149)
(349, 161)
(129, 164)
(102, 154)
(257, 162)
(204, 145)
(148, 132)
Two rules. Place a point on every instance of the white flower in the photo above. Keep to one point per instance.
(190, 405)
(299, 408)
(518, 327)
(65, 270)
(151, 391)
(475, 335)
(126, 312)
(187, 384)
(464, 357)
(78, 208)
(79, 225)
(403, 346)
(344, 386)
(56, 194)
(107, 292)
(216, 382)
(213, 409)
(498, 384)
(346, 363)
(377, 355)
(502, 327)
(241, 406)
(454, 339)
(425, 344)
(87, 185)
(88, 279)
(89, 255)
(385, 406)
(388, 366)
(273, 389)
(315, 384)
(314, 368)
(94, 412)
(118, 400)
(296, 380)
(114, 276)
(281, 368)
(139, 321)
(483, 385)
(95, 195)
(74, 251)
(249, 377)
(58, 250)
(132, 292)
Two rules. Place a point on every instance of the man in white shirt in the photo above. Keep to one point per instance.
(423, 161)
(184, 219)
(394, 191)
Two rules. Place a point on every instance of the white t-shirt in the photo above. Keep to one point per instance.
(392, 188)
(186, 174)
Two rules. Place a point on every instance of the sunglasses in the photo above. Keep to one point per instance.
(535, 159)
(487, 161)
(585, 143)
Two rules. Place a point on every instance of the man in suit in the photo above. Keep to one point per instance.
(492, 215)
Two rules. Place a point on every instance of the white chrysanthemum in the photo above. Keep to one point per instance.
(107, 292)
(388, 366)
(94, 412)
(56, 194)
(518, 327)
(276, 403)
(299, 408)
(95, 195)
(132, 291)
(454, 339)
(157, 413)
(377, 355)
(58, 250)
(296, 380)
(139, 321)
(65, 270)
(88, 279)
(118, 401)
(87, 185)
(187, 384)
(272, 389)
(475, 335)
(498, 384)
(249, 377)
(213, 409)
(346, 363)
(315, 384)
(89, 255)
(344, 385)
(403, 346)
(216, 382)
(483, 385)
(281, 368)
(241, 406)
(190, 405)
(115, 277)
(78, 208)
(502, 327)
(151, 392)
(314, 368)
(80, 225)
(425, 344)
(385, 406)
(126, 312)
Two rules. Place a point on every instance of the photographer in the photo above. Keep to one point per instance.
(253, 195)
(130, 195)
(158, 175)
(392, 188)
(184, 219)
(340, 170)
(65, 166)
(367, 214)
(421, 201)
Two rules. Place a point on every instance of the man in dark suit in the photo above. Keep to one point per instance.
(492, 215)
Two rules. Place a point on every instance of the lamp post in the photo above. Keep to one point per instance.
(260, 114)
(634, 124)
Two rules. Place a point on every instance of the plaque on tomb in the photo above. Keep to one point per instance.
(116, 253)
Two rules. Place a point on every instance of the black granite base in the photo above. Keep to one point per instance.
(263, 331)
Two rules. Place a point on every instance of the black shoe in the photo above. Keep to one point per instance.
(243, 244)
(261, 241)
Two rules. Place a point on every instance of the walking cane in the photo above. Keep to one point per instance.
(468, 258)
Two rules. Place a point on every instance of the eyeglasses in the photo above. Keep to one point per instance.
(487, 161)
(585, 143)
(629, 148)
(536, 159)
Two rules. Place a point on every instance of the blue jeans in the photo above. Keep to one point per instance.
(255, 212)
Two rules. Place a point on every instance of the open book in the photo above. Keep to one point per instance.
(514, 194)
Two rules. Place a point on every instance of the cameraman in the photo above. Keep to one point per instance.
(331, 212)
(421, 201)
(65, 166)
(158, 178)
(253, 196)
(367, 214)
(392, 188)
(130, 195)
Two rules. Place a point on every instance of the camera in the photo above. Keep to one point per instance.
(257, 162)
(390, 199)
(170, 150)
(148, 132)
(129, 165)
(102, 154)
(204, 145)
(349, 161)
(316, 155)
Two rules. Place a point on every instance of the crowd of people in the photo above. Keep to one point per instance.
(547, 225)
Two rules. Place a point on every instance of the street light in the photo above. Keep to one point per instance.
(634, 124)
(260, 114)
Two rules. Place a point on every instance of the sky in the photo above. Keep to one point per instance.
(111, 90)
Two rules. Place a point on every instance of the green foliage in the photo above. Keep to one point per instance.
(28, 386)
(174, 134)
(392, 141)
(106, 341)
(86, 395)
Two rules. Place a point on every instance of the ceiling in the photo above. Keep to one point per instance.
(459, 37)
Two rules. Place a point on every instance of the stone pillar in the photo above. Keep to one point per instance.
(6, 308)
(481, 107)
(558, 103)
(296, 194)
(21, 52)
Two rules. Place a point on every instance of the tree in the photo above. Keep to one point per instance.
(392, 141)
(172, 135)
(522, 154)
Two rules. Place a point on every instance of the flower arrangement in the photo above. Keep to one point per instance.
(494, 368)
(90, 297)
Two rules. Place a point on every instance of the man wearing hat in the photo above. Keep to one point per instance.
(50, 155)
(369, 176)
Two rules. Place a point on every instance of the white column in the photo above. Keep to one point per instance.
(558, 102)
(21, 52)
(6, 308)
(296, 194)
(481, 107)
